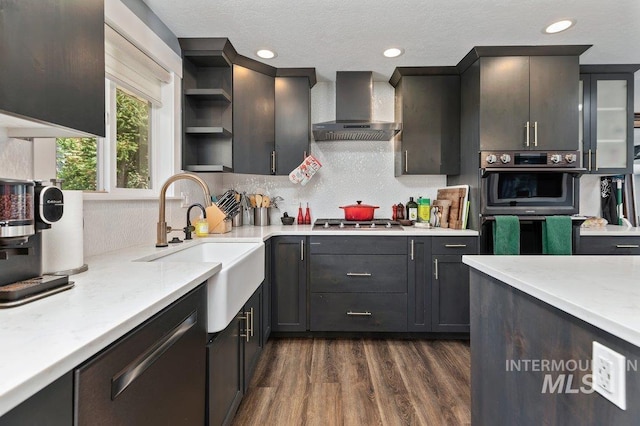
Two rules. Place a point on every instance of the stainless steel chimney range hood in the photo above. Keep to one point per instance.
(354, 94)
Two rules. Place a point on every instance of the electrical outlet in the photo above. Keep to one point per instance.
(184, 200)
(609, 374)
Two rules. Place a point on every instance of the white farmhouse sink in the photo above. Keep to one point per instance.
(227, 291)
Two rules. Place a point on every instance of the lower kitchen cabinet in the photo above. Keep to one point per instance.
(232, 355)
(450, 285)
(289, 284)
(604, 245)
(52, 406)
(266, 294)
(153, 375)
(419, 284)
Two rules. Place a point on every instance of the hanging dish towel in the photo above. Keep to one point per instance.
(556, 235)
(506, 235)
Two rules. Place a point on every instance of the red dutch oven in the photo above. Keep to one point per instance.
(358, 211)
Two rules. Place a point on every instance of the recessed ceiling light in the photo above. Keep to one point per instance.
(266, 54)
(559, 26)
(394, 52)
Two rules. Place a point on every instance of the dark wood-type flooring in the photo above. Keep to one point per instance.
(306, 381)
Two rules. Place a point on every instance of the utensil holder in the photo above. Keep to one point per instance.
(261, 216)
(238, 219)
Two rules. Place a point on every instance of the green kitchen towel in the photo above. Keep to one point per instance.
(556, 235)
(506, 235)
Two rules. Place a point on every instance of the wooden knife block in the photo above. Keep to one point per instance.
(216, 220)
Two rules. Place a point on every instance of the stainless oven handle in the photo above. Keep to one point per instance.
(526, 126)
(535, 133)
(131, 372)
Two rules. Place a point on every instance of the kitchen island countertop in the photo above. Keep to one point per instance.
(600, 290)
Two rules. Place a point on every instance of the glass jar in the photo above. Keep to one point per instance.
(16, 208)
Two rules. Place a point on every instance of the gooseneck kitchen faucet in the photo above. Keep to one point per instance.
(162, 228)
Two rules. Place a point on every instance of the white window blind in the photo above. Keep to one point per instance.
(129, 66)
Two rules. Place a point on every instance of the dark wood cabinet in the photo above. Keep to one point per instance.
(528, 102)
(52, 66)
(289, 284)
(606, 118)
(153, 375)
(52, 406)
(292, 122)
(603, 245)
(428, 106)
(358, 284)
(252, 331)
(253, 121)
(419, 284)
(450, 285)
(207, 104)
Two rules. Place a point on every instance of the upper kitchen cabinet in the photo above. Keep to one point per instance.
(253, 118)
(525, 96)
(427, 102)
(52, 69)
(207, 104)
(292, 117)
(606, 118)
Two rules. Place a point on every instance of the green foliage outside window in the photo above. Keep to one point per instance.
(76, 158)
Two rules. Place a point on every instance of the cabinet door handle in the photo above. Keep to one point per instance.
(304, 155)
(526, 126)
(358, 274)
(302, 250)
(251, 327)
(435, 268)
(273, 161)
(535, 133)
(131, 372)
(406, 161)
(595, 154)
(589, 156)
(359, 314)
(455, 245)
(627, 245)
(412, 250)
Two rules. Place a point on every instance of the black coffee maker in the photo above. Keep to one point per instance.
(27, 209)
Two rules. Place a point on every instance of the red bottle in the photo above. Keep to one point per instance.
(300, 217)
(307, 216)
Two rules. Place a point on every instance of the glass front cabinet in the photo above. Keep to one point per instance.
(606, 118)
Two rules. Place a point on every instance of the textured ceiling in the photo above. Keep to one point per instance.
(347, 35)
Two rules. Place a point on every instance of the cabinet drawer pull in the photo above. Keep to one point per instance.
(435, 268)
(627, 245)
(535, 133)
(359, 314)
(131, 372)
(526, 126)
(406, 161)
(455, 245)
(358, 274)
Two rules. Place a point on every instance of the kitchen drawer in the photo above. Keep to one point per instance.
(358, 312)
(454, 245)
(346, 244)
(621, 245)
(358, 273)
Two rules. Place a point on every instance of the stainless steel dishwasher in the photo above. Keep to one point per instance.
(155, 375)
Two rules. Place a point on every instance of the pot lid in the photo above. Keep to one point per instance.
(359, 205)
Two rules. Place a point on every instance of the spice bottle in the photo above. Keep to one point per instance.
(412, 209)
(400, 211)
(394, 212)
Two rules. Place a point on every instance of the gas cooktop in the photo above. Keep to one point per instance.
(333, 224)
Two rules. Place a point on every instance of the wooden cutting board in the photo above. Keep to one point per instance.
(456, 196)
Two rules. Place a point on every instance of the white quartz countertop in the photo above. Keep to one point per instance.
(601, 290)
(610, 231)
(42, 340)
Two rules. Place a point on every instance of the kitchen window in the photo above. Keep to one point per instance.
(139, 150)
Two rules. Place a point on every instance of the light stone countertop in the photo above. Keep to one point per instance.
(42, 340)
(601, 290)
(611, 231)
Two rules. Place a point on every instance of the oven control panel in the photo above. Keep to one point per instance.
(499, 159)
